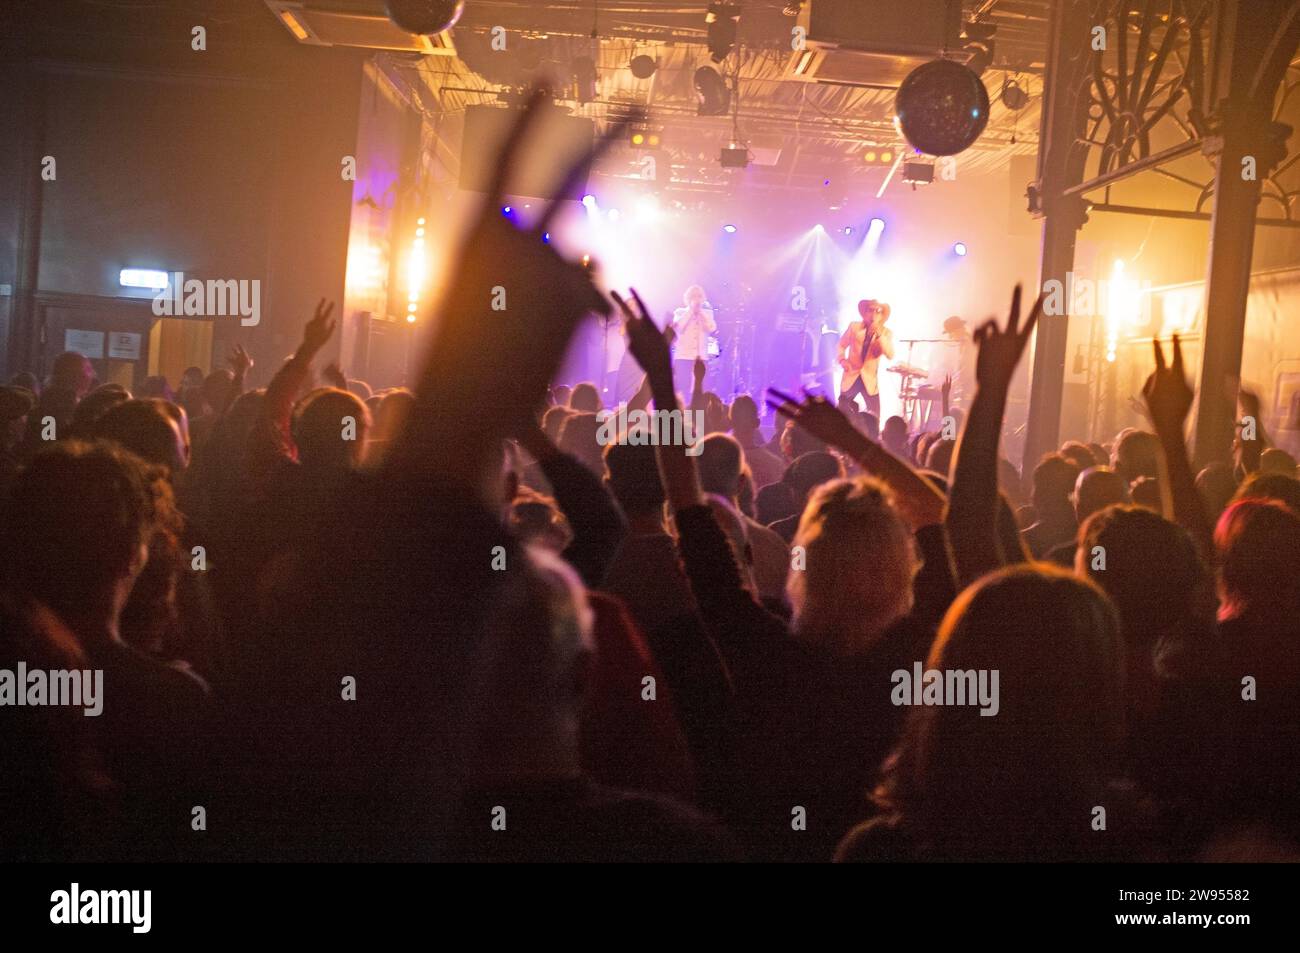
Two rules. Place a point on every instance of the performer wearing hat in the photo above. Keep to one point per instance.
(861, 346)
(956, 360)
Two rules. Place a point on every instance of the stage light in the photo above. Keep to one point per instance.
(734, 157)
(643, 67)
(877, 226)
(589, 200)
(142, 278)
(819, 228)
(918, 173)
(644, 138)
(410, 319)
(722, 20)
(546, 238)
(711, 88)
(647, 208)
(506, 210)
(848, 229)
(419, 221)
(979, 45)
(729, 229)
(869, 156)
(959, 249)
(1013, 95)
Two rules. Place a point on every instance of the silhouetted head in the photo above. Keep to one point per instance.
(1145, 491)
(721, 463)
(1054, 479)
(553, 420)
(1020, 783)
(1095, 489)
(1271, 486)
(27, 379)
(77, 524)
(810, 471)
(1277, 460)
(870, 426)
(72, 372)
(1258, 542)
(217, 388)
(861, 560)
(94, 405)
(632, 474)
(579, 436)
(795, 442)
(1146, 564)
(585, 399)
(1137, 454)
(744, 415)
(894, 436)
(330, 427)
(938, 455)
(149, 430)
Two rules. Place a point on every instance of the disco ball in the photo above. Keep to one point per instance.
(941, 108)
(425, 17)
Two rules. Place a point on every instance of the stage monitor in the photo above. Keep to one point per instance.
(555, 142)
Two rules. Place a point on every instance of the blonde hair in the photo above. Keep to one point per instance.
(691, 292)
(860, 561)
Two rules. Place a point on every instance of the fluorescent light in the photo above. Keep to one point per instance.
(142, 278)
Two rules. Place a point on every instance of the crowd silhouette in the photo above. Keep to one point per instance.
(447, 623)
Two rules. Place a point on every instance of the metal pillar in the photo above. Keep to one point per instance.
(1060, 166)
(1256, 42)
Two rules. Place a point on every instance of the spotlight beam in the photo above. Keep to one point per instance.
(890, 175)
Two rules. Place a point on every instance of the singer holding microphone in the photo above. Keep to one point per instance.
(692, 324)
(861, 346)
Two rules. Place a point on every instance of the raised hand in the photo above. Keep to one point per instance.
(1000, 351)
(317, 331)
(1167, 394)
(820, 418)
(335, 376)
(649, 346)
(513, 304)
(1169, 398)
(700, 371)
(240, 361)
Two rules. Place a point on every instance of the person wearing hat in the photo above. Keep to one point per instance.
(861, 346)
(955, 359)
(15, 404)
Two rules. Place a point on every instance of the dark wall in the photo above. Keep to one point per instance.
(223, 164)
